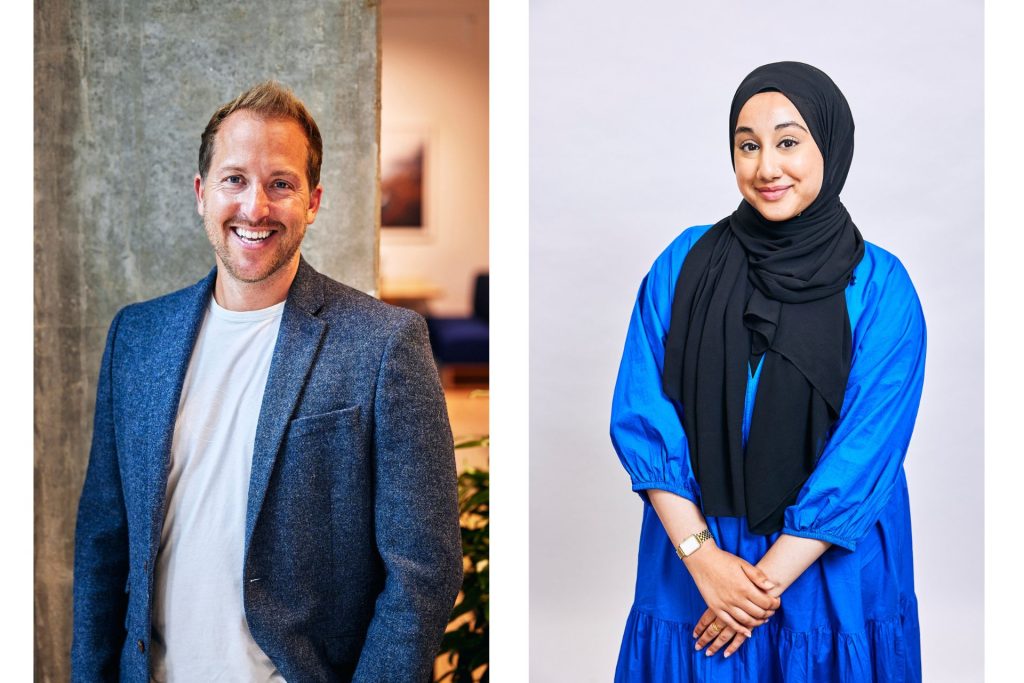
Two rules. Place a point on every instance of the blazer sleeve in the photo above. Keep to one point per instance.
(861, 463)
(101, 544)
(646, 426)
(416, 512)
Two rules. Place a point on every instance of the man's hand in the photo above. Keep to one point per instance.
(734, 590)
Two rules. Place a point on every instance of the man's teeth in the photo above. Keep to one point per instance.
(253, 234)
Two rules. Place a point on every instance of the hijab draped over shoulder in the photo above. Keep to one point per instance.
(756, 291)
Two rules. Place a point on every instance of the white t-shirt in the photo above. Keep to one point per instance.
(199, 627)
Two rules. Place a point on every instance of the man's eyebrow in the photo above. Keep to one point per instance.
(784, 124)
(232, 168)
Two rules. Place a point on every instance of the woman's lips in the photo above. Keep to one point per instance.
(774, 192)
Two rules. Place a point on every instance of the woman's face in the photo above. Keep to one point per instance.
(779, 168)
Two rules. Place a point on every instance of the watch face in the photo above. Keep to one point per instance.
(690, 545)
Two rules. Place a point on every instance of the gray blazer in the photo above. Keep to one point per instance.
(352, 550)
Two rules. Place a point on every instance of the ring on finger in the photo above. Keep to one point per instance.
(715, 629)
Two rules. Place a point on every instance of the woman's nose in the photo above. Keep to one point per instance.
(768, 167)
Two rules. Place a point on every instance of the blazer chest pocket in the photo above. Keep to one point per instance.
(324, 426)
(323, 452)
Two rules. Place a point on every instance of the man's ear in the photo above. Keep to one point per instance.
(314, 203)
(199, 193)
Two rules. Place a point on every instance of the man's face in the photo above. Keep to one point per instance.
(256, 201)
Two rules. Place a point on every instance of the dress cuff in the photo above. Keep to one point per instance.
(681, 490)
(846, 543)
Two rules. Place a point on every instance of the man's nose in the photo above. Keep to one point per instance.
(256, 203)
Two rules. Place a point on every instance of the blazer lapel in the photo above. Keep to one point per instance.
(173, 342)
(298, 342)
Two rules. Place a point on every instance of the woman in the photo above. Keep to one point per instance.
(764, 404)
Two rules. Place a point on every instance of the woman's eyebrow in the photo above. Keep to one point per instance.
(784, 124)
(791, 123)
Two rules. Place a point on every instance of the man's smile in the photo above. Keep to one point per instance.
(251, 236)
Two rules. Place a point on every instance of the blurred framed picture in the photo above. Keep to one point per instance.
(403, 175)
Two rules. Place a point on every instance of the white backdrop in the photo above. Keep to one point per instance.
(628, 140)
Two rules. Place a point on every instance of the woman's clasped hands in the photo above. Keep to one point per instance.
(738, 596)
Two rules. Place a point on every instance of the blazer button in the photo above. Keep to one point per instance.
(142, 646)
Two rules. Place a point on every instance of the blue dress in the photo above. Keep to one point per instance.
(852, 616)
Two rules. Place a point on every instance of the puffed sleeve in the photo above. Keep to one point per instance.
(861, 463)
(646, 428)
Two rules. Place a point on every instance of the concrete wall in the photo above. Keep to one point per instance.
(122, 93)
(435, 78)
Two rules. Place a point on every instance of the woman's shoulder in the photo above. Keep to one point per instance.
(882, 269)
(881, 289)
(661, 279)
(685, 240)
(670, 260)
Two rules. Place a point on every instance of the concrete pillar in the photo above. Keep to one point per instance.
(122, 93)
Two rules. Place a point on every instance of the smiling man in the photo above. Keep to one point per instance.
(271, 487)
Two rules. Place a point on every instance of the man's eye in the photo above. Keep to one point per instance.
(233, 179)
(281, 185)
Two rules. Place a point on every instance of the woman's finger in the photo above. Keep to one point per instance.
(745, 621)
(757, 576)
(705, 620)
(756, 612)
(713, 630)
(738, 640)
(718, 643)
(761, 599)
(726, 619)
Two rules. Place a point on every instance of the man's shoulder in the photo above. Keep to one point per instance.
(346, 304)
(166, 308)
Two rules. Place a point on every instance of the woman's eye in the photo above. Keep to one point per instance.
(748, 147)
(787, 143)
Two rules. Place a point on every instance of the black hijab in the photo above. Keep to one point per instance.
(751, 288)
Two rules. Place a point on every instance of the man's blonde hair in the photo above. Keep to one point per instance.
(269, 100)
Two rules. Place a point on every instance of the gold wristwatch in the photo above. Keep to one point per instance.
(692, 543)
